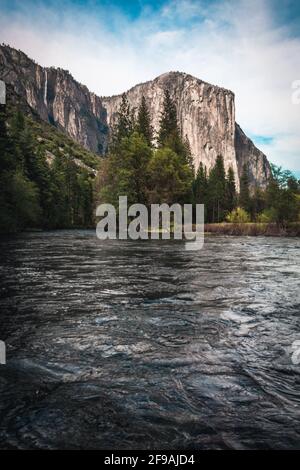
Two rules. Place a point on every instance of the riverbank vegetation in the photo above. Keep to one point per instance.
(254, 229)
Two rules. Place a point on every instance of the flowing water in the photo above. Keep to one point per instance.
(143, 345)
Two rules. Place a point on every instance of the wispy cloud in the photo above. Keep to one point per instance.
(239, 44)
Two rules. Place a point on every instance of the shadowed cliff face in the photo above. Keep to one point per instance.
(248, 154)
(57, 98)
(206, 113)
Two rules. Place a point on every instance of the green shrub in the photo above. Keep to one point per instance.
(238, 216)
(267, 216)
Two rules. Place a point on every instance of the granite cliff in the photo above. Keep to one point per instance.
(206, 113)
(57, 98)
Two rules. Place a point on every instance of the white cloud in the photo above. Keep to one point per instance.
(235, 44)
(285, 151)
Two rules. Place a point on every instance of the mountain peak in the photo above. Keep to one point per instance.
(206, 113)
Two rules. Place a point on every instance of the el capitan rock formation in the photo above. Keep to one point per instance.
(206, 113)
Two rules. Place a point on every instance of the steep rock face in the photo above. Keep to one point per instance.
(206, 113)
(259, 170)
(57, 98)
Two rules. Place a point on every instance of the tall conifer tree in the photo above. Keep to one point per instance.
(217, 190)
(244, 198)
(168, 131)
(123, 126)
(230, 190)
(144, 122)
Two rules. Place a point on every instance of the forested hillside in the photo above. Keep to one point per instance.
(46, 179)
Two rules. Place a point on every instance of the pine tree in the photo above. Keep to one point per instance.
(244, 198)
(217, 191)
(144, 122)
(169, 133)
(33, 191)
(282, 198)
(168, 130)
(258, 203)
(124, 123)
(124, 173)
(169, 180)
(200, 188)
(188, 154)
(230, 190)
(200, 185)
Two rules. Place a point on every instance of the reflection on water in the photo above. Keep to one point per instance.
(143, 345)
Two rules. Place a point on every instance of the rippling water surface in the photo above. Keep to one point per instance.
(143, 345)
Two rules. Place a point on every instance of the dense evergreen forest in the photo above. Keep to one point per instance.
(163, 172)
(48, 181)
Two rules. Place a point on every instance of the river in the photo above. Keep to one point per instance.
(144, 345)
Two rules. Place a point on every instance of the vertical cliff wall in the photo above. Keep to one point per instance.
(247, 154)
(57, 98)
(206, 113)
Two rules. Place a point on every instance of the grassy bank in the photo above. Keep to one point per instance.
(254, 229)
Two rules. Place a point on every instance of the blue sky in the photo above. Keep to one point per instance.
(249, 46)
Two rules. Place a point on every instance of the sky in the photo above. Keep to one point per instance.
(251, 47)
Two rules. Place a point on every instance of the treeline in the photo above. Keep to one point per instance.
(147, 168)
(33, 191)
(140, 171)
(159, 168)
(278, 203)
